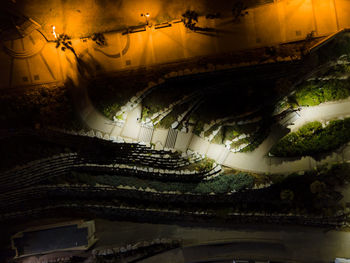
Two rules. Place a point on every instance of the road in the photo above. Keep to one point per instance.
(293, 244)
(289, 244)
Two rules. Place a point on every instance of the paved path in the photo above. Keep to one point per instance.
(132, 125)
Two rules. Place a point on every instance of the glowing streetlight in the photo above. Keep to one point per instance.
(54, 32)
(146, 16)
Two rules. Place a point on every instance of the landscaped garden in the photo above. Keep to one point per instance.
(313, 138)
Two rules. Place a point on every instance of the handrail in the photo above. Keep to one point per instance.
(327, 39)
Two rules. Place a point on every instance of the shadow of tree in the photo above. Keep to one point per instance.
(88, 66)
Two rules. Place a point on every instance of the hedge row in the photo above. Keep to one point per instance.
(218, 185)
(316, 92)
(312, 139)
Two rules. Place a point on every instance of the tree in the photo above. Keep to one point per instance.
(190, 18)
(65, 42)
(99, 38)
(239, 10)
(318, 188)
(307, 41)
(287, 195)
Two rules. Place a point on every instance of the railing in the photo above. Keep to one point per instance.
(327, 39)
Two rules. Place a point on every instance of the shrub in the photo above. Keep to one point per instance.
(312, 139)
(219, 185)
(316, 92)
(287, 195)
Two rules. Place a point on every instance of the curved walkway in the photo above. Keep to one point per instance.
(256, 161)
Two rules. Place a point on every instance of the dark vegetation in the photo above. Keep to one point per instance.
(219, 185)
(173, 115)
(314, 193)
(190, 18)
(16, 151)
(313, 139)
(64, 42)
(40, 106)
(99, 39)
(239, 10)
(224, 93)
(110, 93)
(334, 49)
(118, 89)
(139, 253)
(257, 134)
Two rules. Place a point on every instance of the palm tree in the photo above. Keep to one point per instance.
(65, 42)
(239, 10)
(190, 19)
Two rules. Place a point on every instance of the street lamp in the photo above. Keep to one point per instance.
(54, 31)
(146, 16)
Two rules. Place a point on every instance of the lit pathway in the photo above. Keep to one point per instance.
(256, 161)
(132, 125)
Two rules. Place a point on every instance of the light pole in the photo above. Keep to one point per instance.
(146, 16)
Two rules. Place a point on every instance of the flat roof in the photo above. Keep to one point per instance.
(47, 239)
